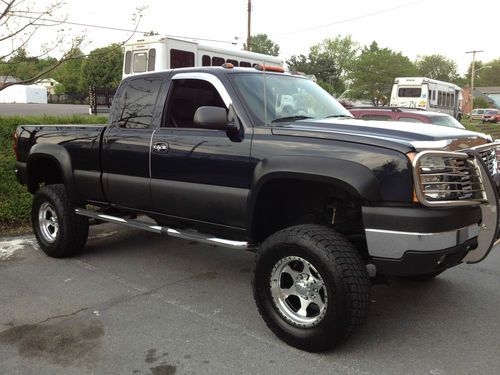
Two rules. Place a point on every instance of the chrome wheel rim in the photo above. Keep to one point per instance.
(298, 291)
(48, 223)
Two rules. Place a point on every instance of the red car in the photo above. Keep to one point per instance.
(406, 114)
(491, 115)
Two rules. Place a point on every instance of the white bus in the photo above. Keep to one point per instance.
(428, 94)
(156, 53)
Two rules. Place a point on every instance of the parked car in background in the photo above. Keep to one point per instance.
(478, 113)
(406, 114)
(491, 115)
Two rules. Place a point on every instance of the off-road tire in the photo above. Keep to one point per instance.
(344, 275)
(72, 230)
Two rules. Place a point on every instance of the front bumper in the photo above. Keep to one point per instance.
(419, 239)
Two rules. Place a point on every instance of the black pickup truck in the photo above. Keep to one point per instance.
(268, 161)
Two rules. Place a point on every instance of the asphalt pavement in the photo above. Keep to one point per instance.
(139, 303)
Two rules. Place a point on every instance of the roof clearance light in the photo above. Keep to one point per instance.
(269, 68)
(228, 66)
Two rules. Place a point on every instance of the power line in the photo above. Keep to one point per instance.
(351, 19)
(116, 28)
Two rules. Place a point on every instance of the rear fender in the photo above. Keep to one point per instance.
(61, 157)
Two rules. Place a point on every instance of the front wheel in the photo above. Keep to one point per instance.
(310, 286)
(58, 230)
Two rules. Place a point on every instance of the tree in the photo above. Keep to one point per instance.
(261, 43)
(487, 74)
(20, 21)
(374, 72)
(103, 67)
(334, 59)
(437, 67)
(70, 76)
(330, 61)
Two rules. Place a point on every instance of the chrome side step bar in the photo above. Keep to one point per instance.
(191, 235)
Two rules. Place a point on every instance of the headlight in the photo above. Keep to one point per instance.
(443, 178)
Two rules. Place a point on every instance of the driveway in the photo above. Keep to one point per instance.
(140, 303)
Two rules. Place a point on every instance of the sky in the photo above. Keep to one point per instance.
(412, 27)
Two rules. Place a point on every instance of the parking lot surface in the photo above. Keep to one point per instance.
(140, 303)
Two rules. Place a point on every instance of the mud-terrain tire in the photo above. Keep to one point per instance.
(311, 286)
(58, 230)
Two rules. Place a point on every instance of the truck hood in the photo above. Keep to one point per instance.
(403, 136)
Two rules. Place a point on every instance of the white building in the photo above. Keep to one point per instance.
(24, 94)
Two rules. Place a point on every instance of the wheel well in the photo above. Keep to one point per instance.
(282, 203)
(43, 170)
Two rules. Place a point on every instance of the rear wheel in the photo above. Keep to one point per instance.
(58, 230)
(310, 286)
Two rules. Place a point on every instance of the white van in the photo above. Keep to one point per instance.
(156, 53)
(429, 94)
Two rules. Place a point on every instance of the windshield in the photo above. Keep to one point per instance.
(447, 121)
(282, 98)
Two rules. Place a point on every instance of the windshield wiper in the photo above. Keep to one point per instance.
(291, 118)
(339, 116)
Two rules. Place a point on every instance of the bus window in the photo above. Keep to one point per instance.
(245, 64)
(151, 59)
(409, 92)
(128, 61)
(434, 95)
(181, 59)
(440, 98)
(205, 60)
(234, 62)
(140, 60)
(218, 61)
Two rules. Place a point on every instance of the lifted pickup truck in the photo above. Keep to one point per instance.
(327, 202)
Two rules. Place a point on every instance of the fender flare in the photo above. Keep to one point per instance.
(61, 157)
(353, 177)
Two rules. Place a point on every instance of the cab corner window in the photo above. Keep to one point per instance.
(135, 105)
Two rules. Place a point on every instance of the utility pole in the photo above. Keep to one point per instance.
(472, 74)
(249, 36)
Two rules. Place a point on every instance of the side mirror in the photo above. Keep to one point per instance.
(208, 117)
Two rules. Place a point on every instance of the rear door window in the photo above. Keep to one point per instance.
(135, 105)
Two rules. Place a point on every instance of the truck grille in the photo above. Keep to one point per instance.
(490, 159)
(448, 178)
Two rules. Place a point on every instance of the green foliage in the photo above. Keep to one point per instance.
(487, 74)
(103, 67)
(374, 72)
(69, 75)
(326, 86)
(15, 201)
(261, 43)
(437, 67)
(330, 61)
(480, 102)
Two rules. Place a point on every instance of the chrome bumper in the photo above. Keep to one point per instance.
(394, 244)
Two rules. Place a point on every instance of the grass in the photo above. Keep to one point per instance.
(15, 201)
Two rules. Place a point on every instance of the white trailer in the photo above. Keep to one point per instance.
(429, 94)
(156, 53)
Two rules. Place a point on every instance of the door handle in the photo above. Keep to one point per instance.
(160, 147)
